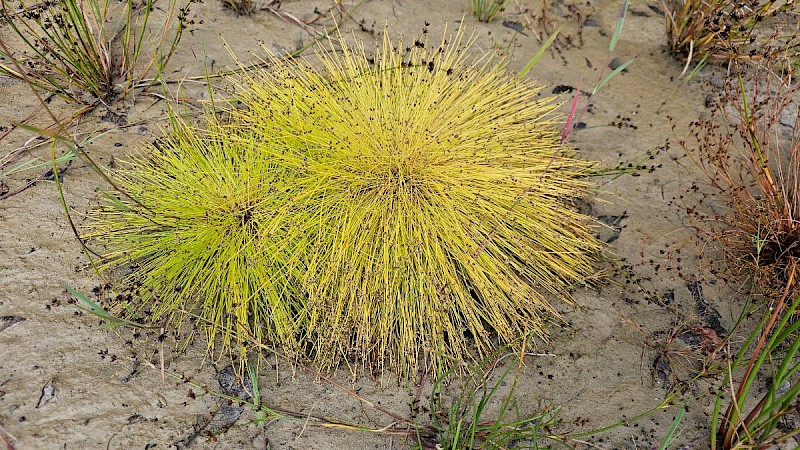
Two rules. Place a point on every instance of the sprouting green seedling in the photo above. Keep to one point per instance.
(377, 207)
(612, 74)
(539, 53)
(611, 46)
(618, 29)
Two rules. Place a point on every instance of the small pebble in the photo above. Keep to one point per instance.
(615, 63)
(590, 22)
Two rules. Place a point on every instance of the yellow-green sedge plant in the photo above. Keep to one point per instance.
(90, 51)
(434, 197)
(198, 226)
(388, 206)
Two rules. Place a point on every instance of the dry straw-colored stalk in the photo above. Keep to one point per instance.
(415, 202)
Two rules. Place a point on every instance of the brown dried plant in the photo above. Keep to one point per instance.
(749, 149)
(240, 7)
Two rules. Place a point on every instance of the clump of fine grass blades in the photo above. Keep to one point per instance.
(90, 51)
(770, 352)
(240, 7)
(486, 10)
(412, 201)
(728, 29)
(198, 225)
(466, 423)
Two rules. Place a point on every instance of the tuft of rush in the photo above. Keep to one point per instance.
(405, 205)
(195, 226)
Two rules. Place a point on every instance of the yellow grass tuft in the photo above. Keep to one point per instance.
(417, 200)
(199, 226)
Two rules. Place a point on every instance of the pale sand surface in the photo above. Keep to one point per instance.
(598, 370)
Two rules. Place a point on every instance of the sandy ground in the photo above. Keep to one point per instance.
(68, 383)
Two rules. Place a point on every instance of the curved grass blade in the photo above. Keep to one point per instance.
(670, 435)
(90, 306)
(614, 73)
(540, 53)
(618, 29)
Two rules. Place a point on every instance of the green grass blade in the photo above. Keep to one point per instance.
(90, 306)
(34, 164)
(540, 52)
(618, 29)
(614, 73)
(670, 435)
(715, 420)
(699, 66)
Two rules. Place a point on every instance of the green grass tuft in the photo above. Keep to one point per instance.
(90, 51)
(486, 10)
(412, 201)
